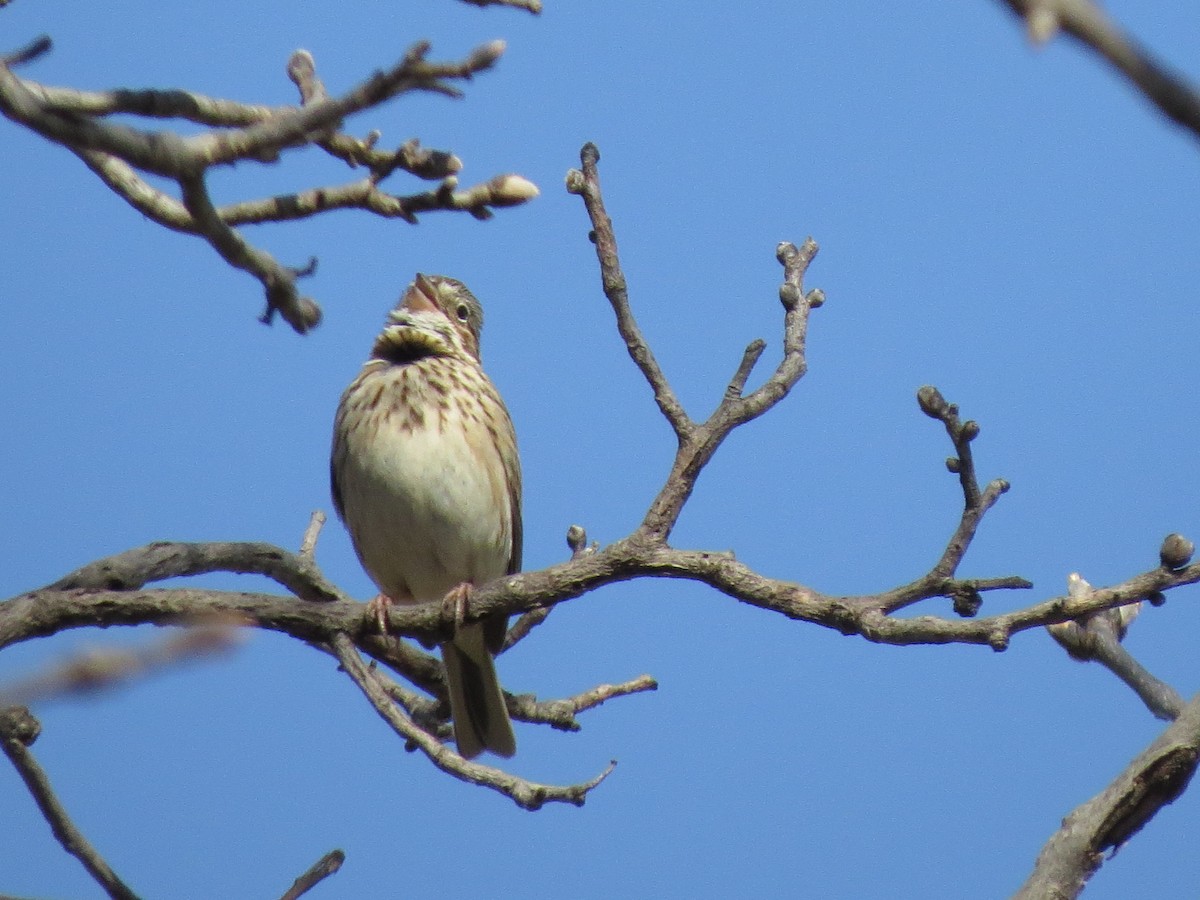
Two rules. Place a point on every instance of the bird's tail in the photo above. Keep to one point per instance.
(476, 702)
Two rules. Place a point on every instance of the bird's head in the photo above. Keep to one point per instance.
(437, 316)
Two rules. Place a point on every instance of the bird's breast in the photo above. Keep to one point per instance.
(422, 482)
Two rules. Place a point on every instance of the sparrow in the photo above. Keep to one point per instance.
(425, 475)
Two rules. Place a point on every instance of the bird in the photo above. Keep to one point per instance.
(425, 475)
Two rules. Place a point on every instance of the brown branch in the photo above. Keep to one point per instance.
(31, 51)
(697, 441)
(560, 714)
(533, 6)
(172, 156)
(737, 384)
(116, 153)
(320, 870)
(605, 692)
(586, 184)
(526, 794)
(1154, 779)
(279, 282)
(96, 670)
(578, 542)
(477, 200)
(161, 560)
(1097, 637)
(1086, 22)
(110, 592)
(308, 543)
(190, 106)
(966, 594)
(961, 433)
(18, 730)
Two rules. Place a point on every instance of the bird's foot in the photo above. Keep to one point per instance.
(454, 605)
(377, 609)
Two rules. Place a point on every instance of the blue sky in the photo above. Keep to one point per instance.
(1014, 226)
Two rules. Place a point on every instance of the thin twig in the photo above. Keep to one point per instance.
(526, 794)
(697, 442)
(754, 351)
(561, 714)
(522, 628)
(18, 730)
(279, 282)
(308, 544)
(586, 184)
(119, 153)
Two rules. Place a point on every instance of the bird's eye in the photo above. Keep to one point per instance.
(463, 312)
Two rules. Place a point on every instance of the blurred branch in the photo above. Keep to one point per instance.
(1154, 779)
(18, 730)
(533, 6)
(1087, 23)
(95, 670)
(119, 154)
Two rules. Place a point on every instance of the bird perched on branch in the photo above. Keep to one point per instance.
(425, 475)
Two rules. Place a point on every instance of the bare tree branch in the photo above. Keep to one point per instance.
(524, 626)
(526, 794)
(100, 669)
(533, 6)
(1097, 637)
(320, 870)
(587, 185)
(116, 153)
(1087, 23)
(308, 543)
(697, 441)
(1154, 779)
(18, 730)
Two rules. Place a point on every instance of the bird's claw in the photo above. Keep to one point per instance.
(377, 609)
(454, 605)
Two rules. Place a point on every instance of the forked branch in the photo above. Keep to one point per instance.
(120, 154)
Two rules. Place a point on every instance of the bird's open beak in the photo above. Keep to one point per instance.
(421, 295)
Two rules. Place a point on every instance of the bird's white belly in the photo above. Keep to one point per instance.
(423, 513)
